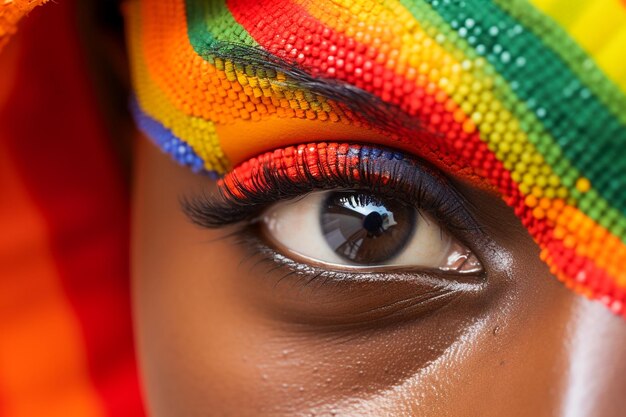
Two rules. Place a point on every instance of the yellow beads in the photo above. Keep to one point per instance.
(583, 185)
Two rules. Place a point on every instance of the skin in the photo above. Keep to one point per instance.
(220, 334)
(222, 331)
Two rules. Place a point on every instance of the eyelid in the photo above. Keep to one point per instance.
(259, 249)
(296, 170)
(426, 245)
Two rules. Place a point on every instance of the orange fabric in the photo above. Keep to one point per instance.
(11, 12)
(42, 364)
(66, 346)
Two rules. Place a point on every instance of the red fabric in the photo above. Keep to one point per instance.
(59, 144)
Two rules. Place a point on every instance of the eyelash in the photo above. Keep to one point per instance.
(292, 172)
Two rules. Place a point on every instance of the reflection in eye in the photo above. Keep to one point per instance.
(345, 207)
(356, 229)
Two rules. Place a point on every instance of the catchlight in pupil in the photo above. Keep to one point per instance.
(365, 229)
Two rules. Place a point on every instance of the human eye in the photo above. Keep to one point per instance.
(361, 231)
(346, 208)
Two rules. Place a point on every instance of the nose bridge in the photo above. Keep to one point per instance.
(595, 382)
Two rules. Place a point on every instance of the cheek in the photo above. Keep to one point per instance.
(205, 346)
(204, 343)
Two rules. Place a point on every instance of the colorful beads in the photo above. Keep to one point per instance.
(583, 185)
(492, 90)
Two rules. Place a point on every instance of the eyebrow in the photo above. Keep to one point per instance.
(372, 108)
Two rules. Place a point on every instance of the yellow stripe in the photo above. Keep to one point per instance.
(566, 15)
(598, 26)
(612, 53)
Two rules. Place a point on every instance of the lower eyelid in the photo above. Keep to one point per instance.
(320, 300)
(252, 240)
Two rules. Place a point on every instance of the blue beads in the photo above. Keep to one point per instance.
(180, 151)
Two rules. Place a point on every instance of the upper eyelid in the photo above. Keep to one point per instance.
(294, 171)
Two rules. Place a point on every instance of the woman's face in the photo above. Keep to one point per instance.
(402, 290)
(223, 330)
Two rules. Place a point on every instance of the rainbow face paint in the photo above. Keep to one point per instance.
(517, 94)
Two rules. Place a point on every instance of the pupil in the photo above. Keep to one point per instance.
(373, 223)
(365, 229)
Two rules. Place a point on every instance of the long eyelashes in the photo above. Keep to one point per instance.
(296, 170)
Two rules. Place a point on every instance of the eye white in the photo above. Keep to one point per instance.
(295, 228)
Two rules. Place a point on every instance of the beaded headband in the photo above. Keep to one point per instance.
(526, 96)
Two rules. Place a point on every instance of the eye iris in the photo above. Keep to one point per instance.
(365, 229)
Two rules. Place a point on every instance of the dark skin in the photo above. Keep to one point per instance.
(220, 334)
